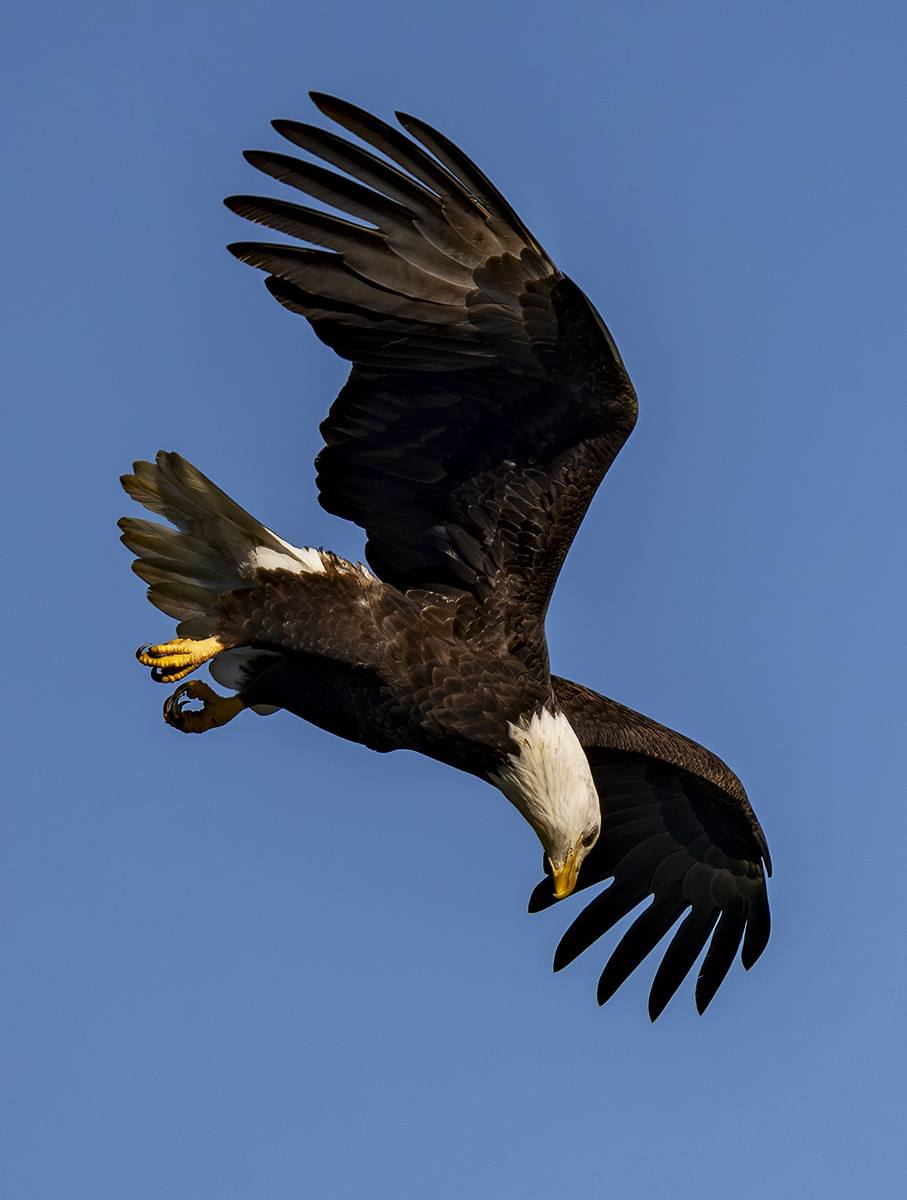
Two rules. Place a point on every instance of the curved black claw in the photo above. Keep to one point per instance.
(216, 710)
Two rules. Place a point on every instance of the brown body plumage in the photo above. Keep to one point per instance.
(485, 404)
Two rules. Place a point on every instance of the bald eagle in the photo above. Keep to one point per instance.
(485, 404)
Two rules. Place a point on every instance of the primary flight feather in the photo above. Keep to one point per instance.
(486, 401)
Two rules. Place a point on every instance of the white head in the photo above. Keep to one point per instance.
(550, 782)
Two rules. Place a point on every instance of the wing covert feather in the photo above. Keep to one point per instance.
(487, 398)
(677, 826)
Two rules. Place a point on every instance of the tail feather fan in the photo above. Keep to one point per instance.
(216, 545)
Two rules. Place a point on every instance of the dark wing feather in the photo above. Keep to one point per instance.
(487, 398)
(685, 947)
(676, 825)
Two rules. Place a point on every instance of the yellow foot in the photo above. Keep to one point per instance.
(175, 660)
(216, 710)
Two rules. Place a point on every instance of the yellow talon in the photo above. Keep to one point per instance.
(216, 710)
(174, 660)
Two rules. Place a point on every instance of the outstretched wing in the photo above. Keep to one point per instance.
(677, 826)
(487, 398)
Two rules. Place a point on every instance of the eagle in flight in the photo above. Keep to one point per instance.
(485, 404)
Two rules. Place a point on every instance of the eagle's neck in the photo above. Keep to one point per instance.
(548, 779)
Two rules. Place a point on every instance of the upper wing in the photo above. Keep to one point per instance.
(676, 825)
(487, 398)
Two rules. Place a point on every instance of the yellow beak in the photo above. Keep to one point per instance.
(566, 874)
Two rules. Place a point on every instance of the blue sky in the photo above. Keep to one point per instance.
(263, 963)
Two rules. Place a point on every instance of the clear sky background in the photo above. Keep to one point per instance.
(266, 964)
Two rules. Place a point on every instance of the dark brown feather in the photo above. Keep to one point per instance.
(487, 398)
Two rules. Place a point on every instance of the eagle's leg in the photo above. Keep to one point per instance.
(216, 710)
(174, 660)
